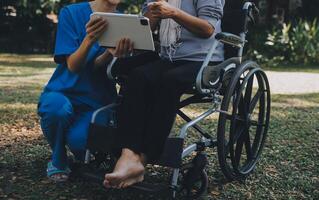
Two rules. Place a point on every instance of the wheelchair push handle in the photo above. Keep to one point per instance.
(250, 11)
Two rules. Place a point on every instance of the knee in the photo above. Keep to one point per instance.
(137, 75)
(169, 81)
(55, 106)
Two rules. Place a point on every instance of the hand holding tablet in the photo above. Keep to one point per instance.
(134, 27)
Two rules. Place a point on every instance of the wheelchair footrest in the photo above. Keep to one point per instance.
(151, 188)
(88, 173)
(91, 175)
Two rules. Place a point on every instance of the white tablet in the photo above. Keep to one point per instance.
(135, 27)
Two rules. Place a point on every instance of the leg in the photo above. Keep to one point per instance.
(173, 84)
(141, 84)
(56, 114)
(124, 66)
(78, 133)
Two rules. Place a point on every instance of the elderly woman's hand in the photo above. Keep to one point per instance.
(123, 48)
(161, 9)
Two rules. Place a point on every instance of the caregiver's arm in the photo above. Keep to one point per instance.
(94, 28)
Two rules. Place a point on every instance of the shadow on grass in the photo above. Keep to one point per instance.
(24, 94)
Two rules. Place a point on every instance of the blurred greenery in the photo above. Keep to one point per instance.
(21, 19)
(290, 43)
(25, 28)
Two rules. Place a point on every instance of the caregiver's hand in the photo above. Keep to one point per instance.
(123, 48)
(161, 9)
(95, 28)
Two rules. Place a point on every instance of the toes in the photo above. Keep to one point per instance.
(106, 184)
(122, 185)
(113, 180)
(126, 185)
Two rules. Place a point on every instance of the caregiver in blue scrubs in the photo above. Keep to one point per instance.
(79, 84)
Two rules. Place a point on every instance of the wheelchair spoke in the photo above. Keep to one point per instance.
(238, 151)
(236, 117)
(258, 137)
(248, 92)
(248, 145)
(255, 123)
(254, 100)
(239, 131)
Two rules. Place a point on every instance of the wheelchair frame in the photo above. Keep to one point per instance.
(208, 91)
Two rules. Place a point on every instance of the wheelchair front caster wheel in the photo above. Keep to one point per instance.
(194, 183)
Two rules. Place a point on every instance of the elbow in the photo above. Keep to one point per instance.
(207, 32)
(72, 68)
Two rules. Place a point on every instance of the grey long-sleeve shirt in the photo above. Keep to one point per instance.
(192, 47)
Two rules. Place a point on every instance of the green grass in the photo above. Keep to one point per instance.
(288, 169)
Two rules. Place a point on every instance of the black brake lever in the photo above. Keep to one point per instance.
(255, 9)
(251, 17)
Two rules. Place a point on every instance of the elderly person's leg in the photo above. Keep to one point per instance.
(56, 114)
(174, 83)
(133, 112)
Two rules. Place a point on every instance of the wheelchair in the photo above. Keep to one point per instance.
(235, 89)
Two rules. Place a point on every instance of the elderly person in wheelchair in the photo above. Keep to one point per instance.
(190, 61)
(155, 83)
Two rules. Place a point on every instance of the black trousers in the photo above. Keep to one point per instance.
(150, 100)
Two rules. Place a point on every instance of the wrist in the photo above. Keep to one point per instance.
(88, 42)
(175, 13)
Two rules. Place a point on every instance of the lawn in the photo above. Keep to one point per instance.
(289, 168)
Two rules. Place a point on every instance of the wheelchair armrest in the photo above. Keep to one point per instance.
(213, 75)
(109, 69)
(104, 114)
(231, 39)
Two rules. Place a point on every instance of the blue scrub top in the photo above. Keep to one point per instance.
(90, 87)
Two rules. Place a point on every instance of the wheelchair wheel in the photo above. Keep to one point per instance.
(243, 127)
(193, 187)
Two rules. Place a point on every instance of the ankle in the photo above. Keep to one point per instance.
(131, 154)
(143, 159)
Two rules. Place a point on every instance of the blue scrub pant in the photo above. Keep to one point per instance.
(63, 124)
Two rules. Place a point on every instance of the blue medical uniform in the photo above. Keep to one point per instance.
(69, 99)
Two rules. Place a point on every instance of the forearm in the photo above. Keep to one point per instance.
(103, 60)
(193, 24)
(153, 20)
(77, 60)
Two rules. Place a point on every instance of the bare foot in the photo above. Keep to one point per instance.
(129, 170)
